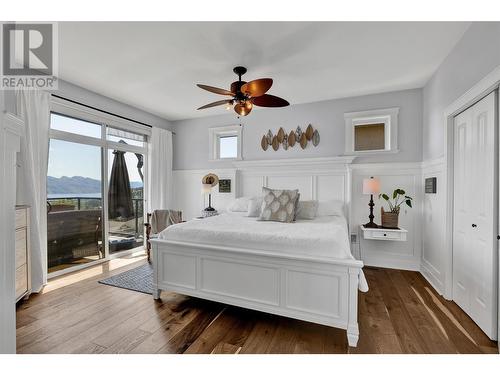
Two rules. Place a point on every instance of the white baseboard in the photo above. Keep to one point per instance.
(431, 278)
(399, 264)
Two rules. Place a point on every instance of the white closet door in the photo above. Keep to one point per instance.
(475, 215)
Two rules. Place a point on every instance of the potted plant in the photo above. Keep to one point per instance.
(390, 218)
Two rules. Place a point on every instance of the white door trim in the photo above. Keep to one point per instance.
(488, 84)
(484, 87)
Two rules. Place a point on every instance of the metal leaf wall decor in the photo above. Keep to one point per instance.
(289, 140)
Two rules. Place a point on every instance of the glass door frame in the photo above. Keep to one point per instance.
(112, 146)
(78, 112)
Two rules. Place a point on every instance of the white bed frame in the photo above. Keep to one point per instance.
(311, 289)
(314, 289)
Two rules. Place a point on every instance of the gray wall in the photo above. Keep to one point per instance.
(73, 92)
(191, 149)
(474, 56)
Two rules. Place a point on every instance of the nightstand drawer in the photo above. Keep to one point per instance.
(382, 234)
(386, 235)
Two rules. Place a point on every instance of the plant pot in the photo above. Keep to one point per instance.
(389, 219)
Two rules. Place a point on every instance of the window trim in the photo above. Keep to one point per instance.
(214, 135)
(387, 116)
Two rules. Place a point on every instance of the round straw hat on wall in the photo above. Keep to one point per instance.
(211, 179)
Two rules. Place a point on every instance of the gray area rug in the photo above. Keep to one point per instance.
(139, 279)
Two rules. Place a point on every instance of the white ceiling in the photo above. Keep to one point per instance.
(155, 66)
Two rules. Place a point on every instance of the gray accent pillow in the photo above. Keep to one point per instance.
(307, 210)
(278, 205)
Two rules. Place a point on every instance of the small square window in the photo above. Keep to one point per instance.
(228, 147)
(225, 143)
(371, 131)
(369, 137)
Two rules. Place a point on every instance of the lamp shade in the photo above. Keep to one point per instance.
(206, 188)
(371, 186)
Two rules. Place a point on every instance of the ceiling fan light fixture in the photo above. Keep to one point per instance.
(248, 105)
(245, 94)
(243, 108)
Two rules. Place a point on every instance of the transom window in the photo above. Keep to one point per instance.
(225, 143)
(228, 147)
(371, 131)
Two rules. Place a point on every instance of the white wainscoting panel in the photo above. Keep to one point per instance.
(295, 180)
(187, 195)
(434, 256)
(316, 178)
(391, 254)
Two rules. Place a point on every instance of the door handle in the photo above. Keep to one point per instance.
(474, 225)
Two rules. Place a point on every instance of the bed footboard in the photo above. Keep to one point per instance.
(314, 290)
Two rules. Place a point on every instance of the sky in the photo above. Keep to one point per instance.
(74, 159)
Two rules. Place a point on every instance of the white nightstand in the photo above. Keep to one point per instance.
(383, 234)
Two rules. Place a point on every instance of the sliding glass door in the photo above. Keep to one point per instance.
(125, 194)
(74, 205)
(95, 190)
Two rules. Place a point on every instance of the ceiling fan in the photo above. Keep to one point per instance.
(245, 94)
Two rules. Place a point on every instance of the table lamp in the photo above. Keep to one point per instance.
(371, 186)
(207, 183)
(207, 189)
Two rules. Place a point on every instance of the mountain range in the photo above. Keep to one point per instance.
(77, 185)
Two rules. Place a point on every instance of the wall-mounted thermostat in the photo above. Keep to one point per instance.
(430, 185)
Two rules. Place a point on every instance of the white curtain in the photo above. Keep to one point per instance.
(160, 170)
(34, 107)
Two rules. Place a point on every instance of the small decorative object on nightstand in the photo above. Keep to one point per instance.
(383, 234)
(208, 182)
(371, 186)
(390, 218)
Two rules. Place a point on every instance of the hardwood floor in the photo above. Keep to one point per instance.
(74, 314)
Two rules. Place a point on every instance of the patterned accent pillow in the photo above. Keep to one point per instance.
(278, 205)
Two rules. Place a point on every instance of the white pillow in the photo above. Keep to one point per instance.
(254, 206)
(331, 208)
(239, 205)
(307, 210)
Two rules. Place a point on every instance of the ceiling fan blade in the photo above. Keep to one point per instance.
(257, 87)
(270, 101)
(215, 90)
(215, 104)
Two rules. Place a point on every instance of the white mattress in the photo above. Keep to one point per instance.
(325, 236)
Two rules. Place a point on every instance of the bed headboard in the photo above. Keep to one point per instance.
(316, 178)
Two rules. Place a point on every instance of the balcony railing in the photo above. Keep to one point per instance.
(77, 203)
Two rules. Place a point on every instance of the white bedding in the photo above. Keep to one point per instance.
(325, 236)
